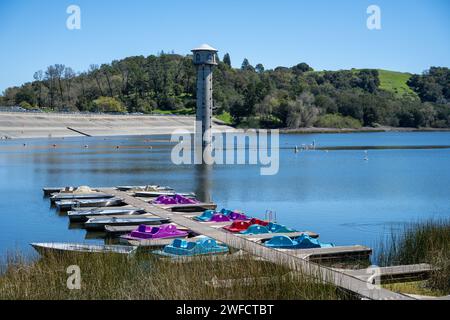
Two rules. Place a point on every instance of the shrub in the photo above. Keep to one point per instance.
(336, 120)
(108, 104)
(26, 105)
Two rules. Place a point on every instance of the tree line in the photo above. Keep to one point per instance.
(291, 97)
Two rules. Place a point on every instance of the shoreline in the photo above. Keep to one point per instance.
(21, 125)
(360, 130)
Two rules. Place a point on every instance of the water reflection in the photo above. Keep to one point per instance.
(203, 187)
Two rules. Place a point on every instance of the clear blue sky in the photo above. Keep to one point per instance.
(327, 35)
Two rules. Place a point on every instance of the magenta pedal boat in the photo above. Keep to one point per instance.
(165, 231)
(175, 199)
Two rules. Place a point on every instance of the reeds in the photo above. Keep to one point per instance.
(106, 276)
(424, 242)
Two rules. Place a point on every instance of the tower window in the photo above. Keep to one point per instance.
(197, 57)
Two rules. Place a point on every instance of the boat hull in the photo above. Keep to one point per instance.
(99, 224)
(73, 196)
(65, 205)
(74, 248)
(48, 191)
(82, 216)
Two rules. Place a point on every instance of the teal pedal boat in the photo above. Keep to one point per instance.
(302, 242)
(255, 229)
(279, 228)
(183, 248)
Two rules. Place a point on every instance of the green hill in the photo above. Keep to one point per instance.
(395, 82)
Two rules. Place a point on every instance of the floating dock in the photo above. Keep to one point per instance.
(404, 273)
(300, 260)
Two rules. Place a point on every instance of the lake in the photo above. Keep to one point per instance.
(337, 193)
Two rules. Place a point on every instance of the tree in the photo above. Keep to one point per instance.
(107, 72)
(433, 85)
(302, 112)
(246, 66)
(50, 82)
(227, 59)
(259, 68)
(38, 76)
(59, 71)
(69, 75)
(25, 94)
(93, 70)
(301, 68)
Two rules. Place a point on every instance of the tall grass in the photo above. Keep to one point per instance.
(424, 242)
(116, 277)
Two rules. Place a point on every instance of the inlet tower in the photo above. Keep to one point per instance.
(205, 58)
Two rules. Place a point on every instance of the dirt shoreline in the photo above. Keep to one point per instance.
(21, 125)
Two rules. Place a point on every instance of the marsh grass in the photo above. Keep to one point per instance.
(145, 277)
(424, 242)
(413, 287)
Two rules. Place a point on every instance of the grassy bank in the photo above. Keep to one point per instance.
(115, 277)
(425, 242)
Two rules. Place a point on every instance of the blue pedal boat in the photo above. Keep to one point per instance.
(279, 228)
(226, 212)
(302, 242)
(205, 216)
(255, 229)
(183, 248)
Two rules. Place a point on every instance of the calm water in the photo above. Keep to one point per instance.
(338, 194)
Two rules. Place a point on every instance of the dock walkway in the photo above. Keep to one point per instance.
(295, 263)
(411, 272)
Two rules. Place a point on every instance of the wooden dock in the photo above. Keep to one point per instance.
(371, 275)
(329, 254)
(402, 273)
(286, 258)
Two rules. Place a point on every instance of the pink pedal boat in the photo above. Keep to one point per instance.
(164, 231)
